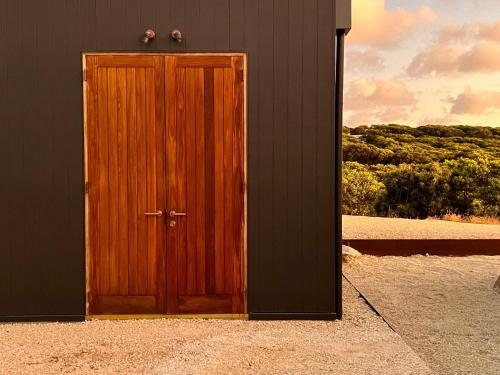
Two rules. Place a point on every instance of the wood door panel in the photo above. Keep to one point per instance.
(207, 304)
(126, 304)
(163, 127)
(205, 141)
(126, 180)
(191, 182)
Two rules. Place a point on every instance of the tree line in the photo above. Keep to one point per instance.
(432, 170)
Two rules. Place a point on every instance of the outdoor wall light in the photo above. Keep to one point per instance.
(176, 35)
(149, 35)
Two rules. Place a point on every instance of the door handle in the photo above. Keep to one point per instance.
(174, 214)
(157, 213)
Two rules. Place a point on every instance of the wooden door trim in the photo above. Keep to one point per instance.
(165, 316)
(164, 54)
(85, 89)
(86, 93)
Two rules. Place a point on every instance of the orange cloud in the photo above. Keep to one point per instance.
(470, 31)
(389, 115)
(449, 55)
(357, 60)
(366, 94)
(484, 56)
(375, 25)
(372, 101)
(475, 103)
(490, 31)
(436, 58)
(455, 33)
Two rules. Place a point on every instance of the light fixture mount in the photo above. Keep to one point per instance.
(176, 35)
(149, 35)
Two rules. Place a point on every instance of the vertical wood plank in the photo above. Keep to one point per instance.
(171, 148)
(181, 179)
(200, 181)
(123, 256)
(113, 183)
(151, 178)
(219, 228)
(160, 123)
(142, 193)
(132, 180)
(209, 182)
(93, 177)
(191, 179)
(104, 219)
(239, 188)
(227, 184)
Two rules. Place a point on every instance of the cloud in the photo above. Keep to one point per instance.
(482, 57)
(391, 115)
(370, 101)
(366, 94)
(472, 47)
(490, 31)
(438, 119)
(470, 31)
(475, 103)
(436, 58)
(368, 60)
(374, 25)
(455, 33)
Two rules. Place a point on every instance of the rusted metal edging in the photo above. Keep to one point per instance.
(440, 247)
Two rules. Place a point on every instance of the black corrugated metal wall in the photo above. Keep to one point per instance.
(290, 45)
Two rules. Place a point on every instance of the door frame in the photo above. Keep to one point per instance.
(244, 263)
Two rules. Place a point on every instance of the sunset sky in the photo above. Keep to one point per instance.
(419, 62)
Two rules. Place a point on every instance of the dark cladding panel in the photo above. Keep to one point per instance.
(343, 14)
(290, 108)
(42, 170)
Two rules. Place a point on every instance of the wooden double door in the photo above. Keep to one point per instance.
(165, 157)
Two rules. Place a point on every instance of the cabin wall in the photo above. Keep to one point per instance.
(290, 46)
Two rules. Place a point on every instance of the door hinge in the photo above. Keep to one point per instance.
(84, 75)
(86, 187)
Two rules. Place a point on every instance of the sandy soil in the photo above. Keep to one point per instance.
(445, 308)
(356, 227)
(360, 344)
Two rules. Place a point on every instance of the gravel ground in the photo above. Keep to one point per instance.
(361, 227)
(360, 344)
(446, 309)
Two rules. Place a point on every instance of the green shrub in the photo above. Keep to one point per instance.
(360, 191)
(419, 172)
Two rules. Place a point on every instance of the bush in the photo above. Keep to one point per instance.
(415, 191)
(419, 172)
(361, 190)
